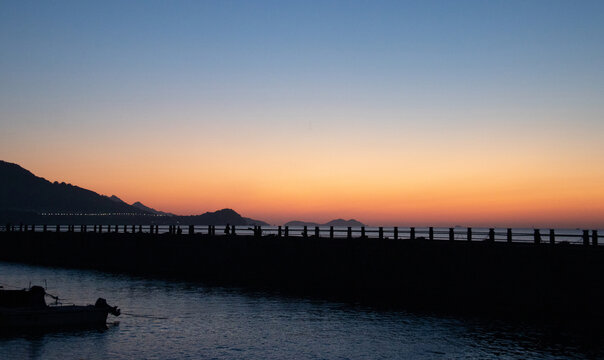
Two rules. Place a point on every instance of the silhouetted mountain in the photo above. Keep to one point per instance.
(220, 217)
(25, 197)
(336, 222)
(140, 205)
(342, 222)
(256, 222)
(20, 190)
(116, 199)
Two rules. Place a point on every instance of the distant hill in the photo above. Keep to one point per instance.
(342, 222)
(140, 205)
(20, 190)
(116, 199)
(220, 217)
(256, 222)
(27, 198)
(336, 222)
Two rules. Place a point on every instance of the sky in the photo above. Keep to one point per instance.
(402, 113)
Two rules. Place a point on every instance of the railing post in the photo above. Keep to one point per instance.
(552, 237)
(412, 236)
(156, 229)
(20, 227)
(451, 234)
(331, 232)
(133, 229)
(233, 231)
(585, 237)
(381, 232)
(363, 232)
(469, 234)
(509, 235)
(116, 229)
(191, 230)
(537, 236)
(305, 232)
(44, 228)
(594, 237)
(491, 235)
(396, 233)
(317, 231)
(431, 233)
(349, 232)
(286, 231)
(279, 231)
(140, 228)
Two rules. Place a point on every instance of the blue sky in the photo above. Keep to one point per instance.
(451, 83)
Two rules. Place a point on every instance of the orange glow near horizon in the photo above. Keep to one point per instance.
(434, 187)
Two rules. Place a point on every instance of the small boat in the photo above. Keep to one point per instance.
(27, 310)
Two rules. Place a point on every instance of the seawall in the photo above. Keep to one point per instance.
(512, 279)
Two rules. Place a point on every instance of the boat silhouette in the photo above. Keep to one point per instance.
(26, 309)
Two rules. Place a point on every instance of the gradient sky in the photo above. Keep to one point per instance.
(406, 113)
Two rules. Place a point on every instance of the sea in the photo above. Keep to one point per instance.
(169, 319)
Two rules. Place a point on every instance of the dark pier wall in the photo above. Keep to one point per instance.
(548, 280)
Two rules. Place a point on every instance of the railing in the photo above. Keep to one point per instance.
(537, 236)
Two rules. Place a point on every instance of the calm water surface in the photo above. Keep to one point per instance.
(182, 320)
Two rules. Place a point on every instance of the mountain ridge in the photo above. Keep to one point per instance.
(25, 197)
(21, 190)
(335, 222)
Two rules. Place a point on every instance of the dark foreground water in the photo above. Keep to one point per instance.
(183, 320)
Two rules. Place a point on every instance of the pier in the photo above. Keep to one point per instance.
(549, 274)
(509, 235)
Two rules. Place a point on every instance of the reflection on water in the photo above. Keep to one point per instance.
(183, 320)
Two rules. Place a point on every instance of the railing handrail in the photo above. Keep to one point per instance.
(518, 235)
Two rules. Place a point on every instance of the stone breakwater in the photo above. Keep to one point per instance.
(548, 281)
